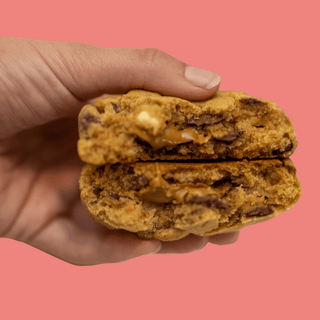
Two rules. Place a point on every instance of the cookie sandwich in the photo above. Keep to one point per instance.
(165, 167)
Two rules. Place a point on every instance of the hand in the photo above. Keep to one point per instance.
(43, 86)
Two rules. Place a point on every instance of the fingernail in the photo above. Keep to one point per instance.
(202, 78)
(156, 250)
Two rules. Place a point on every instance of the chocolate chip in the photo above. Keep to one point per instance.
(130, 170)
(116, 108)
(171, 180)
(252, 102)
(192, 120)
(264, 154)
(210, 202)
(97, 191)
(260, 211)
(142, 142)
(205, 119)
(276, 152)
(222, 182)
(142, 180)
(286, 149)
(114, 196)
(229, 137)
(114, 168)
(87, 119)
(100, 170)
(215, 119)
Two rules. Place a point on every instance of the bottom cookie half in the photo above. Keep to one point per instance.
(169, 200)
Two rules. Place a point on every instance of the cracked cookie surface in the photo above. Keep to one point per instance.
(169, 200)
(144, 126)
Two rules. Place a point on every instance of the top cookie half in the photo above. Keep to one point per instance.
(142, 125)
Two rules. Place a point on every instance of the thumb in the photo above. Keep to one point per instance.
(93, 71)
(42, 81)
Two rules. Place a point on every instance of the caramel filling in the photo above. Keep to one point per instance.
(171, 137)
(160, 191)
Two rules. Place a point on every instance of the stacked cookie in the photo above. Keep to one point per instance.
(165, 167)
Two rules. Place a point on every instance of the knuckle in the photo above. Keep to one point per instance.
(150, 56)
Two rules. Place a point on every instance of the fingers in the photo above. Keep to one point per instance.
(89, 71)
(193, 243)
(224, 238)
(188, 244)
(42, 81)
(65, 240)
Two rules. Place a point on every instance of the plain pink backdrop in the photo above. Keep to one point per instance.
(268, 49)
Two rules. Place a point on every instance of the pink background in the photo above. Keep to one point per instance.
(269, 49)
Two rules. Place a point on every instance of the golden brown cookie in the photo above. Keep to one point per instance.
(169, 200)
(142, 125)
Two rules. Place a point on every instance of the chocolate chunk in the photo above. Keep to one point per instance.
(205, 119)
(276, 152)
(142, 142)
(116, 108)
(286, 149)
(97, 191)
(100, 170)
(115, 167)
(192, 120)
(252, 102)
(263, 154)
(172, 181)
(260, 211)
(142, 180)
(87, 119)
(210, 202)
(130, 170)
(222, 182)
(215, 119)
(229, 137)
(114, 196)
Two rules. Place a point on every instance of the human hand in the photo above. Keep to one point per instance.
(43, 86)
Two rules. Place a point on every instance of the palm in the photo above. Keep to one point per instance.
(47, 209)
(43, 178)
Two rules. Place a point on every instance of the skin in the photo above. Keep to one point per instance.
(43, 86)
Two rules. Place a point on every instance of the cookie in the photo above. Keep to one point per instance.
(169, 200)
(145, 126)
